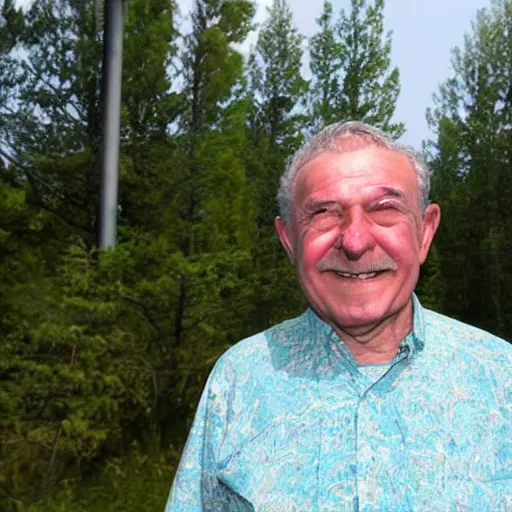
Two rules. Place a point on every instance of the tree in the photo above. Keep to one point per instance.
(277, 86)
(472, 160)
(350, 62)
(325, 65)
(51, 126)
(151, 104)
(75, 335)
(50, 123)
(276, 90)
(209, 213)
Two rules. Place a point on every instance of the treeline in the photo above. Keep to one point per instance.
(103, 355)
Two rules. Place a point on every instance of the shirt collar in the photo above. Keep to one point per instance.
(415, 341)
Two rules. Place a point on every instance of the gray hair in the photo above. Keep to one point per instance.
(329, 139)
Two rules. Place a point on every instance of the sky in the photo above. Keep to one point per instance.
(424, 32)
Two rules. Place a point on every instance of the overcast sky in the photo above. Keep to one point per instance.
(424, 32)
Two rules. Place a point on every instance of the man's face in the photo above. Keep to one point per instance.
(357, 236)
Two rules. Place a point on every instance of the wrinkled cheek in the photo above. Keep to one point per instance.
(314, 246)
(403, 246)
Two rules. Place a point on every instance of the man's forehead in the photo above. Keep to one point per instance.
(370, 166)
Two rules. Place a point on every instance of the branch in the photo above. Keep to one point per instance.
(202, 318)
(29, 173)
(34, 178)
(41, 204)
(145, 313)
(155, 381)
(58, 92)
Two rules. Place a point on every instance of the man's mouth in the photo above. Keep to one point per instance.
(359, 275)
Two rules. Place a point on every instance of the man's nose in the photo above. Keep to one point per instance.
(355, 236)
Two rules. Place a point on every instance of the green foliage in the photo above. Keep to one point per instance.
(277, 86)
(275, 92)
(471, 158)
(114, 348)
(326, 67)
(51, 116)
(432, 287)
(149, 48)
(137, 481)
(350, 60)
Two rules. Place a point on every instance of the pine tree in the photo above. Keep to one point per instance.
(472, 160)
(326, 61)
(351, 67)
(276, 91)
(277, 85)
(51, 128)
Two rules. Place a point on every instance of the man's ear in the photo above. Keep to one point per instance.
(429, 225)
(285, 237)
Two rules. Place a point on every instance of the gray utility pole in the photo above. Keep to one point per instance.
(112, 68)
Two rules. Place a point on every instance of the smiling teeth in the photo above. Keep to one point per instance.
(357, 276)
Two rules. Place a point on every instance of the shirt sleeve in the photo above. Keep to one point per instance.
(195, 487)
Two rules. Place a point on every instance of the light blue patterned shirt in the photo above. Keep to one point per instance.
(289, 422)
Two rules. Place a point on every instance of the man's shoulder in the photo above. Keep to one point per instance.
(253, 344)
(253, 352)
(450, 335)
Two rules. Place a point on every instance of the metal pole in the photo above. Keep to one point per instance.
(113, 67)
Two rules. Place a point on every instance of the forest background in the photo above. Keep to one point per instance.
(103, 355)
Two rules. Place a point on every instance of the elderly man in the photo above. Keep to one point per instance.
(366, 402)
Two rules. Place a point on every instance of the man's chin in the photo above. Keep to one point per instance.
(353, 320)
(357, 325)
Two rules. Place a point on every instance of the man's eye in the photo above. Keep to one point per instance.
(319, 211)
(386, 206)
(385, 213)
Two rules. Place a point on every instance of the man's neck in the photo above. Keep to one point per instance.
(378, 344)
